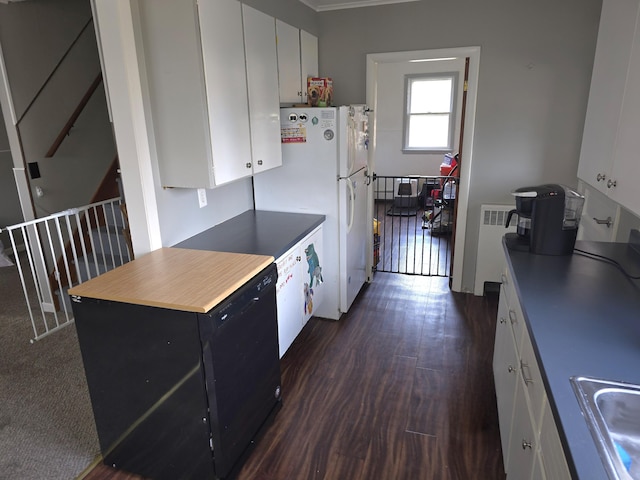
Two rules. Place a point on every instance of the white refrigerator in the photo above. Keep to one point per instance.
(325, 170)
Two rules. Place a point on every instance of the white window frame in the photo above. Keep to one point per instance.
(452, 111)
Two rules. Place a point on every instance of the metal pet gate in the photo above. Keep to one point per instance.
(54, 253)
(413, 222)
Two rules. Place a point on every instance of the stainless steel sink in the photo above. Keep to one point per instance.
(612, 412)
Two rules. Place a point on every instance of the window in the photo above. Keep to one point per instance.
(429, 112)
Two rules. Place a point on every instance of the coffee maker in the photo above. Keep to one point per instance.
(548, 219)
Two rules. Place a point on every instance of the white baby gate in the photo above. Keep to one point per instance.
(54, 253)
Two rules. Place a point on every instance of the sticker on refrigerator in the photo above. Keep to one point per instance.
(293, 134)
(315, 274)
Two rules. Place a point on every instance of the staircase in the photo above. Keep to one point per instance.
(57, 252)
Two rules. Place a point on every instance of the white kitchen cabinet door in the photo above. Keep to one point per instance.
(552, 454)
(262, 84)
(313, 283)
(538, 470)
(299, 292)
(523, 442)
(288, 298)
(613, 52)
(194, 59)
(625, 173)
(608, 157)
(308, 60)
(505, 374)
(289, 63)
(297, 59)
(226, 80)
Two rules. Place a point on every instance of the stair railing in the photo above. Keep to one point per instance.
(36, 244)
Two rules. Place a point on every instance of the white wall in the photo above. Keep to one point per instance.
(388, 158)
(534, 81)
(51, 59)
(35, 35)
(71, 177)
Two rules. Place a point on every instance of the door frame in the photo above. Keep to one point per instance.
(462, 200)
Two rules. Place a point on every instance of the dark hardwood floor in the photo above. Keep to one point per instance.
(401, 388)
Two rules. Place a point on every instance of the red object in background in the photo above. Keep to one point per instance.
(448, 167)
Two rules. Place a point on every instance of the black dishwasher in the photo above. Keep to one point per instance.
(180, 394)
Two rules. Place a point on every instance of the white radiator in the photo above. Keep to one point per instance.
(490, 259)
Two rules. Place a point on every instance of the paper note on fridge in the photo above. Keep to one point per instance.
(293, 134)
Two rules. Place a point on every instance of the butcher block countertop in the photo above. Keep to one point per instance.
(176, 278)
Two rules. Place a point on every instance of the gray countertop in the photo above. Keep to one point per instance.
(256, 232)
(583, 316)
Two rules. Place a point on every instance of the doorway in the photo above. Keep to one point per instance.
(385, 143)
(413, 224)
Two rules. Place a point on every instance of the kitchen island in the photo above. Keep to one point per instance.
(295, 240)
(165, 341)
(581, 315)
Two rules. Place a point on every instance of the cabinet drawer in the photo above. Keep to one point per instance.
(530, 372)
(507, 284)
(518, 327)
(514, 311)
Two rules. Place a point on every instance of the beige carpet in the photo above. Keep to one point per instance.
(46, 423)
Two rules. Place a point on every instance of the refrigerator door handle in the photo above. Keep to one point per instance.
(352, 198)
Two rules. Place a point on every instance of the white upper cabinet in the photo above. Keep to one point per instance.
(297, 59)
(262, 83)
(610, 144)
(308, 60)
(194, 55)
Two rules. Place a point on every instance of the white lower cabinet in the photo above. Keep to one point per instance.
(531, 445)
(299, 290)
(312, 289)
(505, 374)
(551, 453)
(539, 471)
(523, 443)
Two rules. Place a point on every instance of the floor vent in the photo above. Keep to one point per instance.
(490, 259)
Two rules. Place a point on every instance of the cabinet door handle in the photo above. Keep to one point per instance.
(607, 221)
(503, 320)
(527, 380)
(513, 317)
(601, 177)
(526, 444)
(248, 165)
(612, 183)
(510, 369)
(259, 162)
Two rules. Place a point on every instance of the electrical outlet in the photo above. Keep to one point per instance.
(202, 197)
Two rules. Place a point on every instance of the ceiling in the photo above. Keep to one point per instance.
(325, 5)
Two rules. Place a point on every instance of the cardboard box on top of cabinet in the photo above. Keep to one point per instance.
(319, 91)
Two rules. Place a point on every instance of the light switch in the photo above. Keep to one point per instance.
(202, 197)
